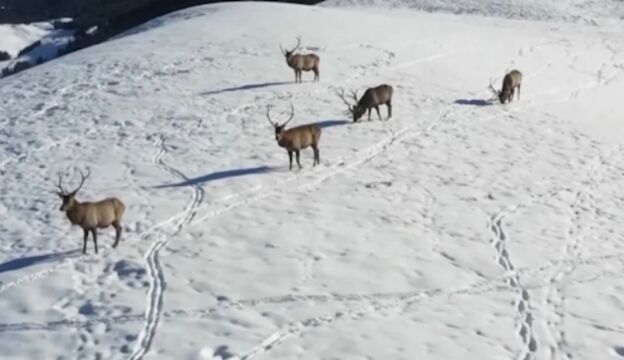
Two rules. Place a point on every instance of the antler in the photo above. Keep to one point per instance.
(268, 115)
(341, 95)
(292, 114)
(83, 178)
(354, 95)
(298, 44)
(59, 185)
(491, 87)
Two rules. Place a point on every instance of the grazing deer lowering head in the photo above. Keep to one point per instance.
(297, 138)
(301, 62)
(372, 98)
(91, 215)
(511, 81)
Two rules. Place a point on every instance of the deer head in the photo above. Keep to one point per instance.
(353, 108)
(69, 197)
(287, 53)
(279, 128)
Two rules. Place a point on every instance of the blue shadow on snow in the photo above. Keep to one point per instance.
(473, 102)
(246, 87)
(218, 175)
(331, 123)
(27, 261)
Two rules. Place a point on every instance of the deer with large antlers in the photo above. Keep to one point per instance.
(301, 62)
(372, 98)
(91, 215)
(511, 81)
(296, 138)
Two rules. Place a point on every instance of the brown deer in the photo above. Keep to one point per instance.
(301, 62)
(297, 138)
(511, 81)
(91, 215)
(372, 98)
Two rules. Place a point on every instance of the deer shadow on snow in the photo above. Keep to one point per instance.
(23, 262)
(246, 87)
(473, 102)
(218, 175)
(330, 123)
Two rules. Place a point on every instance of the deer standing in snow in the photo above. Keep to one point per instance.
(301, 62)
(297, 138)
(511, 81)
(91, 215)
(372, 98)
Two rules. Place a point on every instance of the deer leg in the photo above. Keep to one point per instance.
(117, 233)
(94, 232)
(389, 105)
(316, 74)
(316, 155)
(378, 114)
(290, 160)
(298, 163)
(369, 113)
(518, 92)
(84, 242)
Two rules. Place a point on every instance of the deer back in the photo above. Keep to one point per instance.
(99, 214)
(375, 96)
(300, 137)
(511, 80)
(303, 61)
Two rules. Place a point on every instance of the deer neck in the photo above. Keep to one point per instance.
(281, 141)
(75, 213)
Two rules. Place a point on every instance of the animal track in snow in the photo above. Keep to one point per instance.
(523, 299)
(155, 294)
(554, 297)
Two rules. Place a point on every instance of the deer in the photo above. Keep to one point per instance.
(301, 62)
(511, 81)
(372, 98)
(296, 138)
(91, 216)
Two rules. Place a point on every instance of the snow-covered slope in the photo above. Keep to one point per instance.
(585, 11)
(457, 229)
(15, 38)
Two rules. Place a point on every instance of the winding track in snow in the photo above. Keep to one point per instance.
(155, 294)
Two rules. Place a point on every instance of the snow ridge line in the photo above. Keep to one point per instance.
(155, 294)
(523, 299)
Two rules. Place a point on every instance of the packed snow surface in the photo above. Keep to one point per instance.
(458, 229)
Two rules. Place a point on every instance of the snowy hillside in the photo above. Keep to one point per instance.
(585, 11)
(458, 229)
(16, 38)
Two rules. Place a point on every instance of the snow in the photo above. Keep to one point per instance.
(459, 228)
(14, 38)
